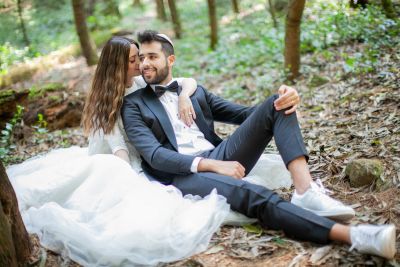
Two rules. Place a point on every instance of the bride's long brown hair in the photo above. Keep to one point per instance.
(104, 99)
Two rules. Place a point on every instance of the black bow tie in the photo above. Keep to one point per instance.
(160, 90)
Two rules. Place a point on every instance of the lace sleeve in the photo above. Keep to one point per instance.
(115, 139)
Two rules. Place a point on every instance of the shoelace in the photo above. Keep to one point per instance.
(320, 187)
(361, 237)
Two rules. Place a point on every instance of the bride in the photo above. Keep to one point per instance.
(101, 210)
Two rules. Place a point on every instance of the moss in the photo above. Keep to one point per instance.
(363, 171)
(36, 92)
(6, 95)
(51, 87)
(317, 81)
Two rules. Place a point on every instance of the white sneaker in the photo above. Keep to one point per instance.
(317, 201)
(378, 240)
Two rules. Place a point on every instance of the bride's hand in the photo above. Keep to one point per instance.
(186, 111)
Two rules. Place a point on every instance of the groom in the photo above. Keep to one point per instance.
(195, 160)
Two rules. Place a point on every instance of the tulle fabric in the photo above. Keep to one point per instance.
(98, 211)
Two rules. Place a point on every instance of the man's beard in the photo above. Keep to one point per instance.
(161, 75)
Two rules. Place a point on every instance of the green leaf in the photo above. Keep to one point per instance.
(253, 228)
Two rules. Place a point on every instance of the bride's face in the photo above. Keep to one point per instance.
(133, 66)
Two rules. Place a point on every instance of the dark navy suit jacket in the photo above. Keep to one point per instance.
(149, 129)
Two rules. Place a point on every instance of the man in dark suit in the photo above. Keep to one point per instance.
(196, 160)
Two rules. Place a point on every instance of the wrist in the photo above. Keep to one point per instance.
(206, 165)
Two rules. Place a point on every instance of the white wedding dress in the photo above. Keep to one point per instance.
(98, 210)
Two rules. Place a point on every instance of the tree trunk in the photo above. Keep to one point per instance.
(292, 38)
(15, 247)
(22, 23)
(137, 3)
(90, 7)
(388, 8)
(212, 14)
(175, 19)
(235, 6)
(161, 10)
(272, 12)
(87, 45)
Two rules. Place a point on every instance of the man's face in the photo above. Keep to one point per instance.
(154, 65)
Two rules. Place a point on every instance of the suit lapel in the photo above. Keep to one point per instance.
(154, 104)
(202, 124)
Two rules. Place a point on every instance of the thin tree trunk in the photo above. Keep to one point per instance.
(90, 7)
(235, 6)
(161, 10)
(137, 3)
(175, 19)
(15, 247)
(87, 45)
(22, 24)
(388, 8)
(292, 38)
(272, 12)
(212, 14)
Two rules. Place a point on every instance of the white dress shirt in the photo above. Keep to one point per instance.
(190, 140)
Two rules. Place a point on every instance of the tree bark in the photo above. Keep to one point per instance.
(87, 45)
(137, 3)
(292, 38)
(15, 247)
(175, 19)
(90, 7)
(272, 12)
(22, 23)
(235, 6)
(212, 14)
(388, 8)
(161, 10)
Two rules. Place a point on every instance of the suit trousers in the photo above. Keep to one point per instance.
(246, 145)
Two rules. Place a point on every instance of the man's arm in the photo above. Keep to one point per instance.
(140, 135)
(226, 111)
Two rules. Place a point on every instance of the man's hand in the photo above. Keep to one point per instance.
(228, 168)
(288, 97)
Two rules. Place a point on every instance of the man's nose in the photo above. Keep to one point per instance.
(145, 62)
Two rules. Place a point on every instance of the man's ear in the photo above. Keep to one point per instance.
(171, 60)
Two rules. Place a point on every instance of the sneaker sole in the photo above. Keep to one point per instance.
(390, 249)
(339, 216)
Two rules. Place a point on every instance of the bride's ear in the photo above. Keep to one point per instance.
(171, 60)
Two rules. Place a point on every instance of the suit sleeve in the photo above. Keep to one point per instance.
(152, 151)
(226, 111)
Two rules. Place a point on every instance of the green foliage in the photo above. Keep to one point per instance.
(37, 92)
(6, 134)
(10, 55)
(331, 23)
(40, 125)
(101, 19)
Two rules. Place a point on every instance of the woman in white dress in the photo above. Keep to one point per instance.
(100, 210)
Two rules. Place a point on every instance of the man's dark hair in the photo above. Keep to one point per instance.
(149, 36)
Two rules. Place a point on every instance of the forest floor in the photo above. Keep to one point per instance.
(343, 116)
(356, 116)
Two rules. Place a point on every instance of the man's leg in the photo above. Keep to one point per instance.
(259, 202)
(248, 142)
(278, 214)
